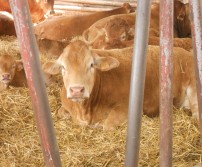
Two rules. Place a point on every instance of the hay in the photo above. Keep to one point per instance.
(85, 146)
(9, 45)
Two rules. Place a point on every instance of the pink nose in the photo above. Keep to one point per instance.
(6, 76)
(76, 91)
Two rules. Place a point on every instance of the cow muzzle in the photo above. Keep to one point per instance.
(77, 93)
(5, 78)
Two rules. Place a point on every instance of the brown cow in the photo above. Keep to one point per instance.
(97, 82)
(185, 43)
(109, 32)
(182, 23)
(118, 32)
(102, 36)
(5, 6)
(6, 24)
(56, 32)
(47, 6)
(11, 72)
(38, 8)
(64, 28)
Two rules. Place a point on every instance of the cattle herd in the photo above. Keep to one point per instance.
(93, 52)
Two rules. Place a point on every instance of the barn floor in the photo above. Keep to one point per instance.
(83, 146)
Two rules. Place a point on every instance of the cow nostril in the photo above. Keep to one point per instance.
(71, 89)
(77, 89)
(82, 89)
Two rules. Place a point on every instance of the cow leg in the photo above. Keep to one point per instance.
(3, 87)
(116, 117)
(192, 96)
(62, 113)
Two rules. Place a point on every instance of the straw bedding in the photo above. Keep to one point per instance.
(83, 146)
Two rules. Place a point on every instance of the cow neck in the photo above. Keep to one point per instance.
(19, 79)
(90, 106)
(92, 103)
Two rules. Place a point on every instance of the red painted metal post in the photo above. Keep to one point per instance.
(197, 45)
(166, 78)
(137, 82)
(29, 50)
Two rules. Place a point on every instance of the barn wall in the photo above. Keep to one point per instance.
(62, 6)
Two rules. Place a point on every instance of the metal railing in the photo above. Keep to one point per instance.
(37, 88)
(166, 70)
(31, 62)
(137, 82)
(197, 46)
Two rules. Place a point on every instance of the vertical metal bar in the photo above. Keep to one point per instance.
(166, 78)
(36, 84)
(197, 45)
(137, 82)
(201, 10)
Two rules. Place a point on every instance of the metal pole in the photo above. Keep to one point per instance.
(137, 82)
(197, 45)
(166, 78)
(201, 10)
(29, 50)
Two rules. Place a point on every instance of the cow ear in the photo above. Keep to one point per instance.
(51, 67)
(105, 63)
(19, 65)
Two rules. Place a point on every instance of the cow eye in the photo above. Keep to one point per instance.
(123, 37)
(91, 65)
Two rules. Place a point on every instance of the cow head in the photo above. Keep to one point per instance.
(117, 29)
(79, 67)
(8, 67)
(112, 35)
(181, 19)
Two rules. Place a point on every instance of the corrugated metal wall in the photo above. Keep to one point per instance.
(93, 5)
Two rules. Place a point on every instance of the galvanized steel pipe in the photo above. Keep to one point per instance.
(197, 45)
(201, 10)
(137, 83)
(30, 55)
(166, 82)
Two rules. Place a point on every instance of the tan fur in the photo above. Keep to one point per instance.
(185, 43)
(106, 33)
(182, 25)
(62, 28)
(6, 25)
(17, 78)
(8, 65)
(107, 105)
(37, 8)
(182, 22)
(50, 48)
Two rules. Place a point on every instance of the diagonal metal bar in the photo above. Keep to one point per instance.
(166, 80)
(29, 51)
(197, 45)
(137, 82)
